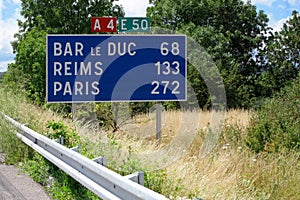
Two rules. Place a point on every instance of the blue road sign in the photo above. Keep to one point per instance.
(96, 68)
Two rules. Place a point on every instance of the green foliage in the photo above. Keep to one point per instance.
(232, 135)
(58, 183)
(31, 61)
(59, 130)
(14, 78)
(155, 180)
(29, 71)
(160, 182)
(40, 18)
(65, 109)
(114, 115)
(65, 187)
(277, 124)
(128, 166)
(253, 64)
(12, 146)
(105, 115)
(38, 168)
(282, 52)
(231, 32)
(1, 76)
(66, 16)
(137, 108)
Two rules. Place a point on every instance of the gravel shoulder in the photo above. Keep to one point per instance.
(15, 185)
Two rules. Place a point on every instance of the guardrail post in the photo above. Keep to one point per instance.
(60, 140)
(101, 160)
(137, 177)
(76, 149)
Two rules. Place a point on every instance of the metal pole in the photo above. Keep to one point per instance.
(74, 112)
(158, 120)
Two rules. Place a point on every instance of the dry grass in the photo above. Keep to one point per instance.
(36, 117)
(176, 123)
(238, 174)
(229, 172)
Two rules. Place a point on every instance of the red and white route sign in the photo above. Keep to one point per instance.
(103, 24)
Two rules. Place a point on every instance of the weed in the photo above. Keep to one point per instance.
(277, 124)
(58, 130)
(12, 147)
(227, 173)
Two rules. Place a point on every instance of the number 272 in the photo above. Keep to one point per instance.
(174, 85)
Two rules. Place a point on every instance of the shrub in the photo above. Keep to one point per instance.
(58, 130)
(277, 124)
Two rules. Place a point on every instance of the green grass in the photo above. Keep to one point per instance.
(232, 171)
(56, 182)
(13, 148)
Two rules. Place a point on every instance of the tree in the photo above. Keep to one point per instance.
(30, 61)
(283, 57)
(42, 17)
(231, 31)
(65, 16)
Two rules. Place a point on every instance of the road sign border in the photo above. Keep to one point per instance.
(116, 35)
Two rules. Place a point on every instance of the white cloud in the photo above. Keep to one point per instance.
(3, 65)
(8, 27)
(14, 1)
(277, 24)
(134, 8)
(263, 2)
(293, 2)
(282, 6)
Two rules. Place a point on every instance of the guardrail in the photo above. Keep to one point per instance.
(104, 182)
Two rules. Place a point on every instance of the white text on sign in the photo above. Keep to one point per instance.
(113, 49)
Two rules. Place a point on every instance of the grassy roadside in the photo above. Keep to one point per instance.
(232, 171)
(13, 148)
(58, 184)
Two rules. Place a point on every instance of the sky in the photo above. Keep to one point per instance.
(278, 12)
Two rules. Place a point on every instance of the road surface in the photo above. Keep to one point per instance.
(15, 185)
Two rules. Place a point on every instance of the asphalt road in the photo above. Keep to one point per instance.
(15, 185)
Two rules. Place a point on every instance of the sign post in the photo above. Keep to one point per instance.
(158, 108)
